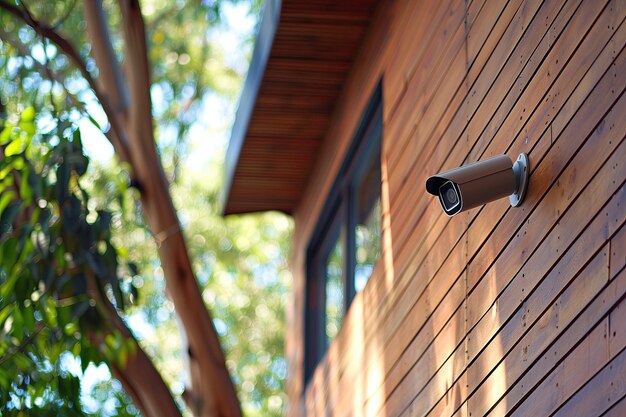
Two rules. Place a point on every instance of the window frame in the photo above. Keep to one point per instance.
(339, 211)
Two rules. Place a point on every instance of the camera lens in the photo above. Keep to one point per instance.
(451, 196)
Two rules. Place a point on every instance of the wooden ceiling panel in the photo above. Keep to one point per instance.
(275, 143)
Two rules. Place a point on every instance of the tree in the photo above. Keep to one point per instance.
(123, 92)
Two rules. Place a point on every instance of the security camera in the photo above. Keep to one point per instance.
(475, 184)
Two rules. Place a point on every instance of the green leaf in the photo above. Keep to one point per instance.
(4, 314)
(18, 324)
(6, 198)
(17, 146)
(28, 115)
(50, 312)
(76, 349)
(28, 127)
(6, 134)
(29, 318)
(25, 191)
(88, 354)
(8, 249)
(10, 164)
(8, 215)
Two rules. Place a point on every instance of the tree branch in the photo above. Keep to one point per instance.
(119, 138)
(138, 376)
(212, 382)
(110, 72)
(53, 76)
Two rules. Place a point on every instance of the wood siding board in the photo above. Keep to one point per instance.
(455, 151)
(599, 394)
(592, 110)
(618, 410)
(548, 353)
(437, 25)
(493, 359)
(480, 313)
(618, 252)
(562, 100)
(546, 251)
(607, 386)
(534, 88)
(542, 319)
(587, 358)
(555, 201)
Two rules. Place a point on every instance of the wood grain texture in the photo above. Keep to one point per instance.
(484, 313)
(311, 55)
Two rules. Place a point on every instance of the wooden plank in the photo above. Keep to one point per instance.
(550, 250)
(417, 118)
(592, 188)
(550, 354)
(447, 406)
(592, 110)
(566, 59)
(618, 252)
(400, 220)
(499, 86)
(600, 224)
(562, 101)
(423, 359)
(600, 393)
(529, 240)
(538, 325)
(589, 356)
(420, 19)
(438, 77)
(387, 360)
(619, 410)
(589, 150)
(617, 328)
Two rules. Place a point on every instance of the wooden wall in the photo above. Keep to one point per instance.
(498, 310)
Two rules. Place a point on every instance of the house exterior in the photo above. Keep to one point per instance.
(398, 309)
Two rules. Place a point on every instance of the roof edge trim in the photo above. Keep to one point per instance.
(247, 101)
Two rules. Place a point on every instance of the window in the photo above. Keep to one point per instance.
(346, 242)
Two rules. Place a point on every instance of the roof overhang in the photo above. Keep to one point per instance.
(302, 56)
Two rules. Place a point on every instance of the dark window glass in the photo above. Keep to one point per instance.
(334, 288)
(368, 230)
(346, 242)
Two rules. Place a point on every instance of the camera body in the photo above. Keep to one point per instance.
(475, 184)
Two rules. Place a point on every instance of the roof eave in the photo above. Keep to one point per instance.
(247, 101)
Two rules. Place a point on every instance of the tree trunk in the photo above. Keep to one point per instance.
(212, 392)
(132, 136)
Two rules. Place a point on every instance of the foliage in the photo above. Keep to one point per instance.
(241, 265)
(93, 226)
(56, 261)
(247, 283)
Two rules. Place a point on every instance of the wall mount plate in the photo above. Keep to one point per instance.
(521, 168)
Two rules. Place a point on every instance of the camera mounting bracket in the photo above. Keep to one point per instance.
(521, 168)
